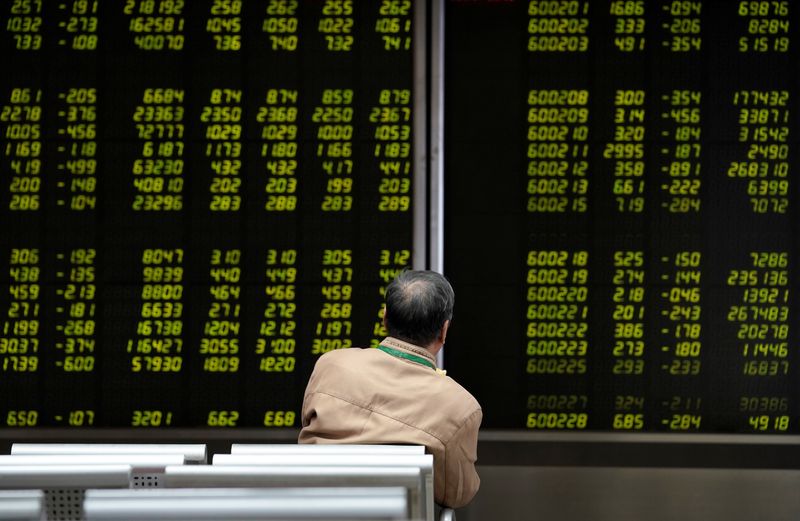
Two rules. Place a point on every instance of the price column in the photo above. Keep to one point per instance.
(23, 147)
(219, 345)
(78, 304)
(156, 25)
(334, 119)
(628, 320)
(627, 150)
(225, 24)
(683, 183)
(763, 118)
(337, 25)
(278, 119)
(394, 25)
(158, 180)
(158, 343)
(393, 135)
(24, 22)
(680, 332)
(222, 120)
(81, 25)
(280, 23)
(762, 331)
(683, 301)
(79, 153)
(629, 23)
(766, 25)
(276, 343)
(19, 343)
(684, 26)
(334, 326)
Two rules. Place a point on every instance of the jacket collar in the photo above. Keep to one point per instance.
(395, 343)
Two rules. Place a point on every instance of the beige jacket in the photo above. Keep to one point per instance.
(369, 396)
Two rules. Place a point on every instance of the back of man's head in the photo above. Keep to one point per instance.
(417, 305)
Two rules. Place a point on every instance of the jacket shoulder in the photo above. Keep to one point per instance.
(460, 402)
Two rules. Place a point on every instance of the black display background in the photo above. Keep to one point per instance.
(120, 72)
(488, 232)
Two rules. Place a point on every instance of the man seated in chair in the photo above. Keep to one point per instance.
(395, 394)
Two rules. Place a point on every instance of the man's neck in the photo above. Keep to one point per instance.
(434, 348)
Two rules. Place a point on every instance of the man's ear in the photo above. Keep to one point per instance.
(443, 334)
(384, 316)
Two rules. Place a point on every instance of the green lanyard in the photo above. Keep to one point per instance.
(407, 356)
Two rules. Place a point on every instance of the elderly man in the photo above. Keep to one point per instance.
(395, 394)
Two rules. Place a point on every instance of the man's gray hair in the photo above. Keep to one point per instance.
(417, 305)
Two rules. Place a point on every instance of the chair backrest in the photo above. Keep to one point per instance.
(64, 485)
(422, 461)
(21, 505)
(288, 448)
(147, 469)
(192, 453)
(245, 504)
(410, 478)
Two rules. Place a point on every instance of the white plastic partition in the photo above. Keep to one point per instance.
(285, 448)
(147, 469)
(245, 504)
(21, 505)
(64, 485)
(410, 478)
(192, 453)
(14, 477)
(136, 461)
(423, 461)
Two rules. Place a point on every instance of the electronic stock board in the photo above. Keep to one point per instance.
(198, 199)
(621, 213)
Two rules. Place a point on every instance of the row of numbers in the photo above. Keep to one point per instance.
(563, 26)
(558, 151)
(159, 25)
(143, 418)
(560, 341)
(159, 121)
(157, 339)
